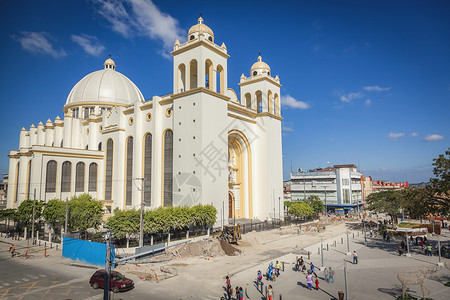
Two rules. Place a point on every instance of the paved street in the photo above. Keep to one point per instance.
(374, 277)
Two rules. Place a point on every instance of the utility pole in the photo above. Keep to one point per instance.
(345, 279)
(106, 294)
(348, 243)
(67, 216)
(321, 250)
(142, 189)
(34, 213)
(279, 209)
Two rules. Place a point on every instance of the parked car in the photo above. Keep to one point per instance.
(118, 282)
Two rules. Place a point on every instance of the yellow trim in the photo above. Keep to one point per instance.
(264, 114)
(92, 156)
(131, 121)
(264, 78)
(148, 117)
(241, 118)
(169, 112)
(237, 99)
(112, 130)
(59, 124)
(146, 106)
(197, 44)
(128, 111)
(112, 169)
(165, 101)
(143, 164)
(199, 90)
(242, 109)
(125, 173)
(162, 163)
(249, 166)
(28, 177)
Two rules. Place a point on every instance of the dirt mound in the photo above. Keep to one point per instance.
(208, 247)
(229, 250)
(251, 239)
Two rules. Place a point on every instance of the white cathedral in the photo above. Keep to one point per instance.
(200, 144)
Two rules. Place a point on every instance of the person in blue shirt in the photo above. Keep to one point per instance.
(313, 269)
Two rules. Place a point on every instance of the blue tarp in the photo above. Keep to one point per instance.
(85, 251)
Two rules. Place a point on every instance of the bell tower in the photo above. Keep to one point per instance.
(199, 62)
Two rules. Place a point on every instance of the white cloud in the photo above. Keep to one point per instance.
(293, 103)
(394, 136)
(350, 96)
(413, 134)
(287, 128)
(376, 88)
(89, 44)
(38, 42)
(433, 137)
(142, 17)
(383, 169)
(368, 102)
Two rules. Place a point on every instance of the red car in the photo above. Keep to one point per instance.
(118, 282)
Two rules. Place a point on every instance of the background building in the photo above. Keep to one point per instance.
(200, 144)
(339, 187)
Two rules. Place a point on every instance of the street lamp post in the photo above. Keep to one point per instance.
(348, 243)
(365, 234)
(34, 213)
(321, 250)
(345, 279)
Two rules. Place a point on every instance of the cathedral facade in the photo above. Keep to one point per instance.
(200, 144)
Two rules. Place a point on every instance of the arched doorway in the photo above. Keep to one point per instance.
(240, 176)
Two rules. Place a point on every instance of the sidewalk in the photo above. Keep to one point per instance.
(374, 277)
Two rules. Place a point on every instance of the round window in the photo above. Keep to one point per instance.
(168, 112)
(148, 117)
(191, 37)
(210, 38)
(255, 73)
(131, 121)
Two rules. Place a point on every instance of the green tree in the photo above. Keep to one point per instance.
(301, 209)
(389, 202)
(204, 215)
(439, 189)
(7, 214)
(54, 212)
(123, 222)
(287, 203)
(85, 212)
(316, 204)
(24, 213)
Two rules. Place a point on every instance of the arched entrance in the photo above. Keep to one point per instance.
(240, 176)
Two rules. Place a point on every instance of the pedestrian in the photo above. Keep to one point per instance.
(400, 250)
(331, 275)
(12, 249)
(388, 238)
(229, 291)
(355, 258)
(269, 293)
(325, 274)
(8, 234)
(309, 280)
(228, 282)
(241, 293)
(403, 244)
(313, 269)
(317, 284)
(259, 277)
(429, 249)
(237, 292)
(371, 232)
(384, 235)
(277, 268)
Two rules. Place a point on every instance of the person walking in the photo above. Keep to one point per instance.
(309, 280)
(241, 293)
(313, 269)
(331, 275)
(12, 249)
(326, 274)
(229, 291)
(388, 238)
(228, 280)
(384, 235)
(355, 258)
(258, 278)
(269, 293)
(429, 250)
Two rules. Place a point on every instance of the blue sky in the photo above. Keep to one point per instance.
(364, 82)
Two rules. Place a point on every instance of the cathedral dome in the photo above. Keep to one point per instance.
(200, 28)
(259, 67)
(106, 86)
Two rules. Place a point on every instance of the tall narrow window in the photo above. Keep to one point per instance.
(181, 80)
(92, 186)
(29, 180)
(129, 172)
(168, 168)
(109, 169)
(248, 100)
(220, 79)
(193, 74)
(79, 177)
(16, 190)
(270, 102)
(50, 178)
(209, 75)
(259, 103)
(66, 176)
(148, 170)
